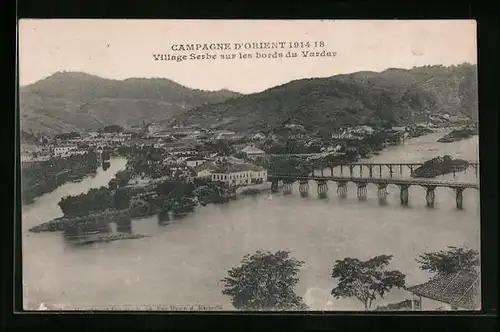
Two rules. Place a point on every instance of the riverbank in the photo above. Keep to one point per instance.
(47, 176)
(104, 238)
(458, 135)
(200, 249)
(440, 166)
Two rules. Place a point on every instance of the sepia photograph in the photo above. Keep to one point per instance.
(249, 165)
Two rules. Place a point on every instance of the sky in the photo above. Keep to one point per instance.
(120, 49)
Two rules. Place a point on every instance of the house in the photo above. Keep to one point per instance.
(76, 152)
(204, 170)
(239, 174)
(457, 291)
(223, 159)
(399, 129)
(183, 152)
(258, 136)
(158, 145)
(225, 134)
(169, 160)
(195, 161)
(62, 150)
(252, 152)
(181, 171)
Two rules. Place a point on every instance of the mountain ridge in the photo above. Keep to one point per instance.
(397, 95)
(69, 101)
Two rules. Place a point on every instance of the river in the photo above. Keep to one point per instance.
(182, 263)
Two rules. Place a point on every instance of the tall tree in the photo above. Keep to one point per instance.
(365, 280)
(449, 261)
(265, 281)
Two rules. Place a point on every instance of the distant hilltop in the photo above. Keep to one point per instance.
(76, 101)
(399, 96)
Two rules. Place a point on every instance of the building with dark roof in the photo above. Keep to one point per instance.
(195, 161)
(252, 152)
(457, 291)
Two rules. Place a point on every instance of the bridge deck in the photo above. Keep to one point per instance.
(398, 164)
(396, 181)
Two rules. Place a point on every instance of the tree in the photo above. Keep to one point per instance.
(264, 281)
(365, 280)
(122, 178)
(449, 261)
(121, 199)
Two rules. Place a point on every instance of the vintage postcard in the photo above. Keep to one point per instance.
(208, 165)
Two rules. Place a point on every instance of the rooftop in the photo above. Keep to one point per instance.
(195, 158)
(456, 289)
(252, 149)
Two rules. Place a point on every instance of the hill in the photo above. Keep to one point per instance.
(397, 95)
(72, 101)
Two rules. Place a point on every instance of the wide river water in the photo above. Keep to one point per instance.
(182, 263)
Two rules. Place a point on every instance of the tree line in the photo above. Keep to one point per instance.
(266, 280)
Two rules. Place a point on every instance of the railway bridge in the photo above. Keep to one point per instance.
(404, 183)
(394, 169)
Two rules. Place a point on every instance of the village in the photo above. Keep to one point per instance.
(222, 156)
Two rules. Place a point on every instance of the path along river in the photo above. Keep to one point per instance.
(182, 263)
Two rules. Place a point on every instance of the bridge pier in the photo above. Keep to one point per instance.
(304, 188)
(342, 189)
(351, 168)
(404, 194)
(274, 186)
(459, 197)
(322, 188)
(391, 171)
(341, 169)
(360, 171)
(411, 169)
(380, 170)
(331, 170)
(287, 187)
(361, 190)
(430, 196)
(382, 193)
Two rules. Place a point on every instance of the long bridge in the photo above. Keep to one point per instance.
(381, 182)
(393, 168)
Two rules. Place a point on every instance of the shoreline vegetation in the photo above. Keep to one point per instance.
(439, 166)
(459, 134)
(39, 178)
(175, 198)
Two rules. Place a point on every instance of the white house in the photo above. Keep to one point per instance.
(457, 291)
(183, 152)
(223, 134)
(75, 152)
(253, 152)
(222, 159)
(259, 136)
(239, 174)
(195, 161)
(63, 150)
(158, 145)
